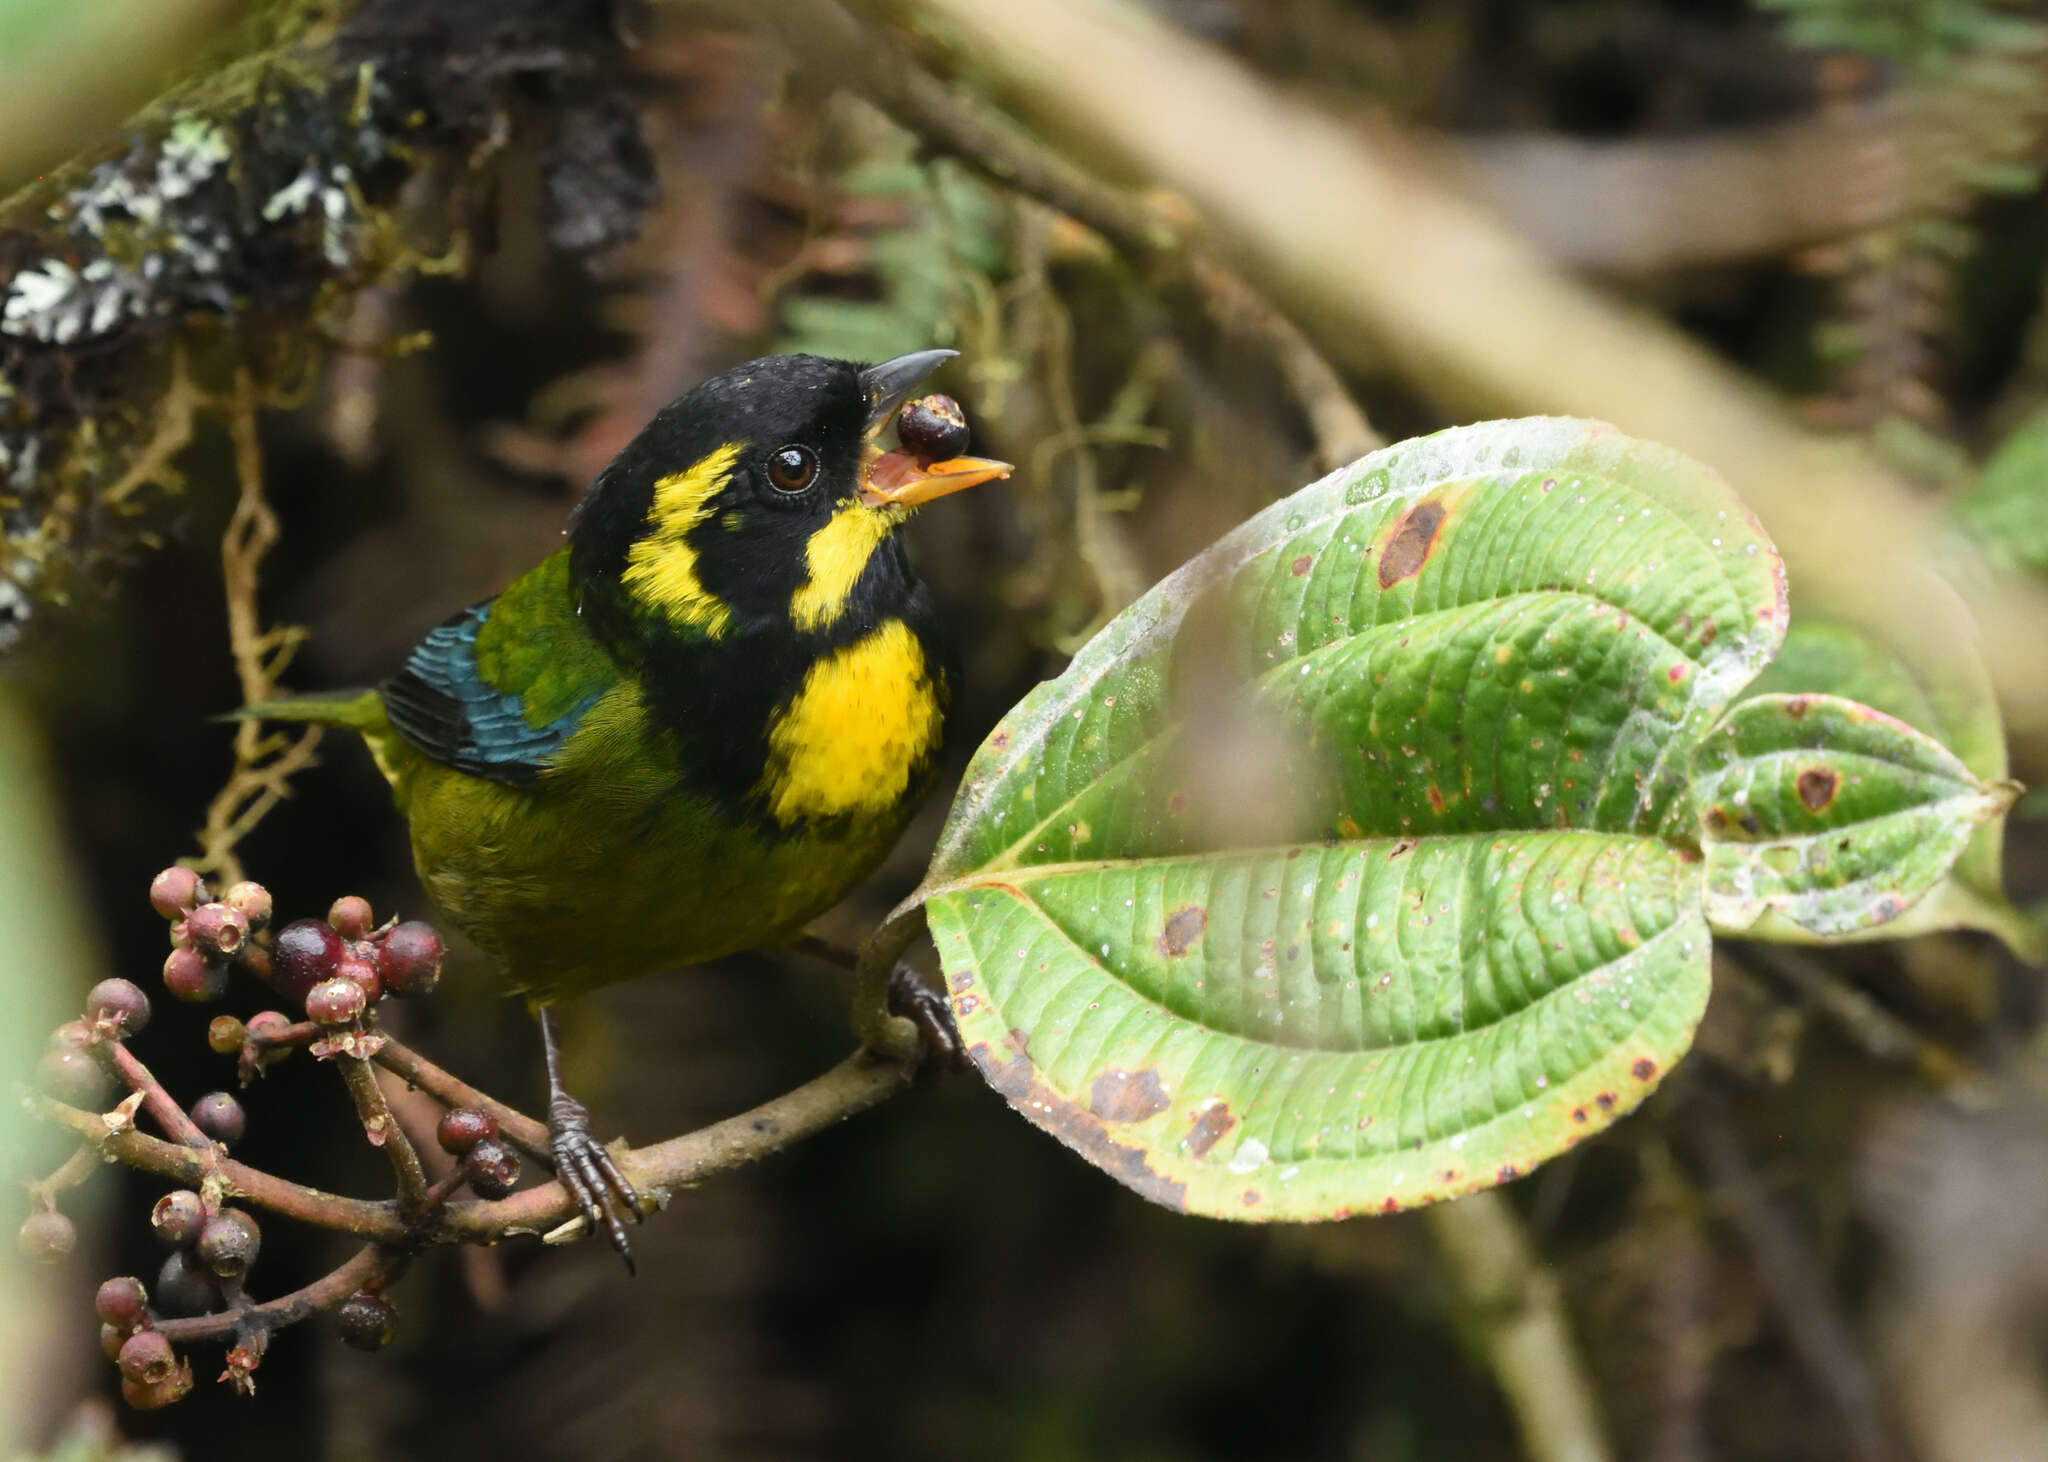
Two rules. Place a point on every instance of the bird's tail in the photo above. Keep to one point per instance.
(356, 710)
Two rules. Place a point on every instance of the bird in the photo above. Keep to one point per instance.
(696, 725)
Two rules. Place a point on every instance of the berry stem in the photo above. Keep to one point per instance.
(370, 1264)
(452, 1091)
(74, 1170)
(383, 1131)
(162, 1106)
(187, 1165)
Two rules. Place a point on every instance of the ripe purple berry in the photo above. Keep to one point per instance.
(175, 892)
(367, 1321)
(122, 1301)
(47, 1237)
(492, 1169)
(336, 1002)
(251, 901)
(464, 1128)
(73, 1077)
(220, 1117)
(147, 1357)
(361, 972)
(932, 426)
(73, 1035)
(184, 1288)
(351, 917)
(119, 1005)
(189, 976)
(410, 958)
(178, 1217)
(228, 1245)
(302, 955)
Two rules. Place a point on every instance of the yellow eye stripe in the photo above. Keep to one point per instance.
(835, 557)
(866, 718)
(661, 568)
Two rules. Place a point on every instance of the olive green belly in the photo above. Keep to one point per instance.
(571, 883)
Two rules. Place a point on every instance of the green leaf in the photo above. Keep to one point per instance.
(1368, 828)
(2007, 507)
(1828, 815)
(1307, 1032)
(1944, 691)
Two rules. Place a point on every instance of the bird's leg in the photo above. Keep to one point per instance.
(581, 1162)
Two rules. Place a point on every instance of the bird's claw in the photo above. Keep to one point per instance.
(932, 1013)
(591, 1176)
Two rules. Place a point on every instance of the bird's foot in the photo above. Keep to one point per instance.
(932, 1013)
(589, 1173)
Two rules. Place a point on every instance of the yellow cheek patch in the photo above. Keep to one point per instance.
(661, 568)
(848, 742)
(835, 557)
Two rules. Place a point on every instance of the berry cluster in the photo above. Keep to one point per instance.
(336, 970)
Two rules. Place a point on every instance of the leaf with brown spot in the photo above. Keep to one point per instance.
(1409, 545)
(1396, 867)
(1849, 817)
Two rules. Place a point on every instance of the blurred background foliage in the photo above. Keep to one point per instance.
(1819, 1241)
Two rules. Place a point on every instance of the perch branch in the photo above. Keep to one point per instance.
(1520, 1326)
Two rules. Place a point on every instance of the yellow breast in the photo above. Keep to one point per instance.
(866, 717)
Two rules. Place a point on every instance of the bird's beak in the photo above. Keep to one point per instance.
(899, 478)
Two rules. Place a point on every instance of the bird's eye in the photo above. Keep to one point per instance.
(793, 468)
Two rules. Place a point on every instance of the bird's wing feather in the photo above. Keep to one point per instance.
(499, 689)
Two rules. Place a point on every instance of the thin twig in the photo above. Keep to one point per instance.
(954, 123)
(159, 1102)
(383, 1131)
(192, 1167)
(452, 1091)
(75, 1169)
(263, 765)
(369, 1264)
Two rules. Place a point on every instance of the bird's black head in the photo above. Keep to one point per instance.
(761, 501)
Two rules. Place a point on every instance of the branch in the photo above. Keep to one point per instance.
(1352, 233)
(954, 123)
(452, 1091)
(369, 1265)
(1519, 1323)
(383, 1131)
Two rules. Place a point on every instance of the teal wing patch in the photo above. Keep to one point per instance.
(443, 704)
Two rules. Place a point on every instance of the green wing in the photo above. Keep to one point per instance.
(497, 690)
